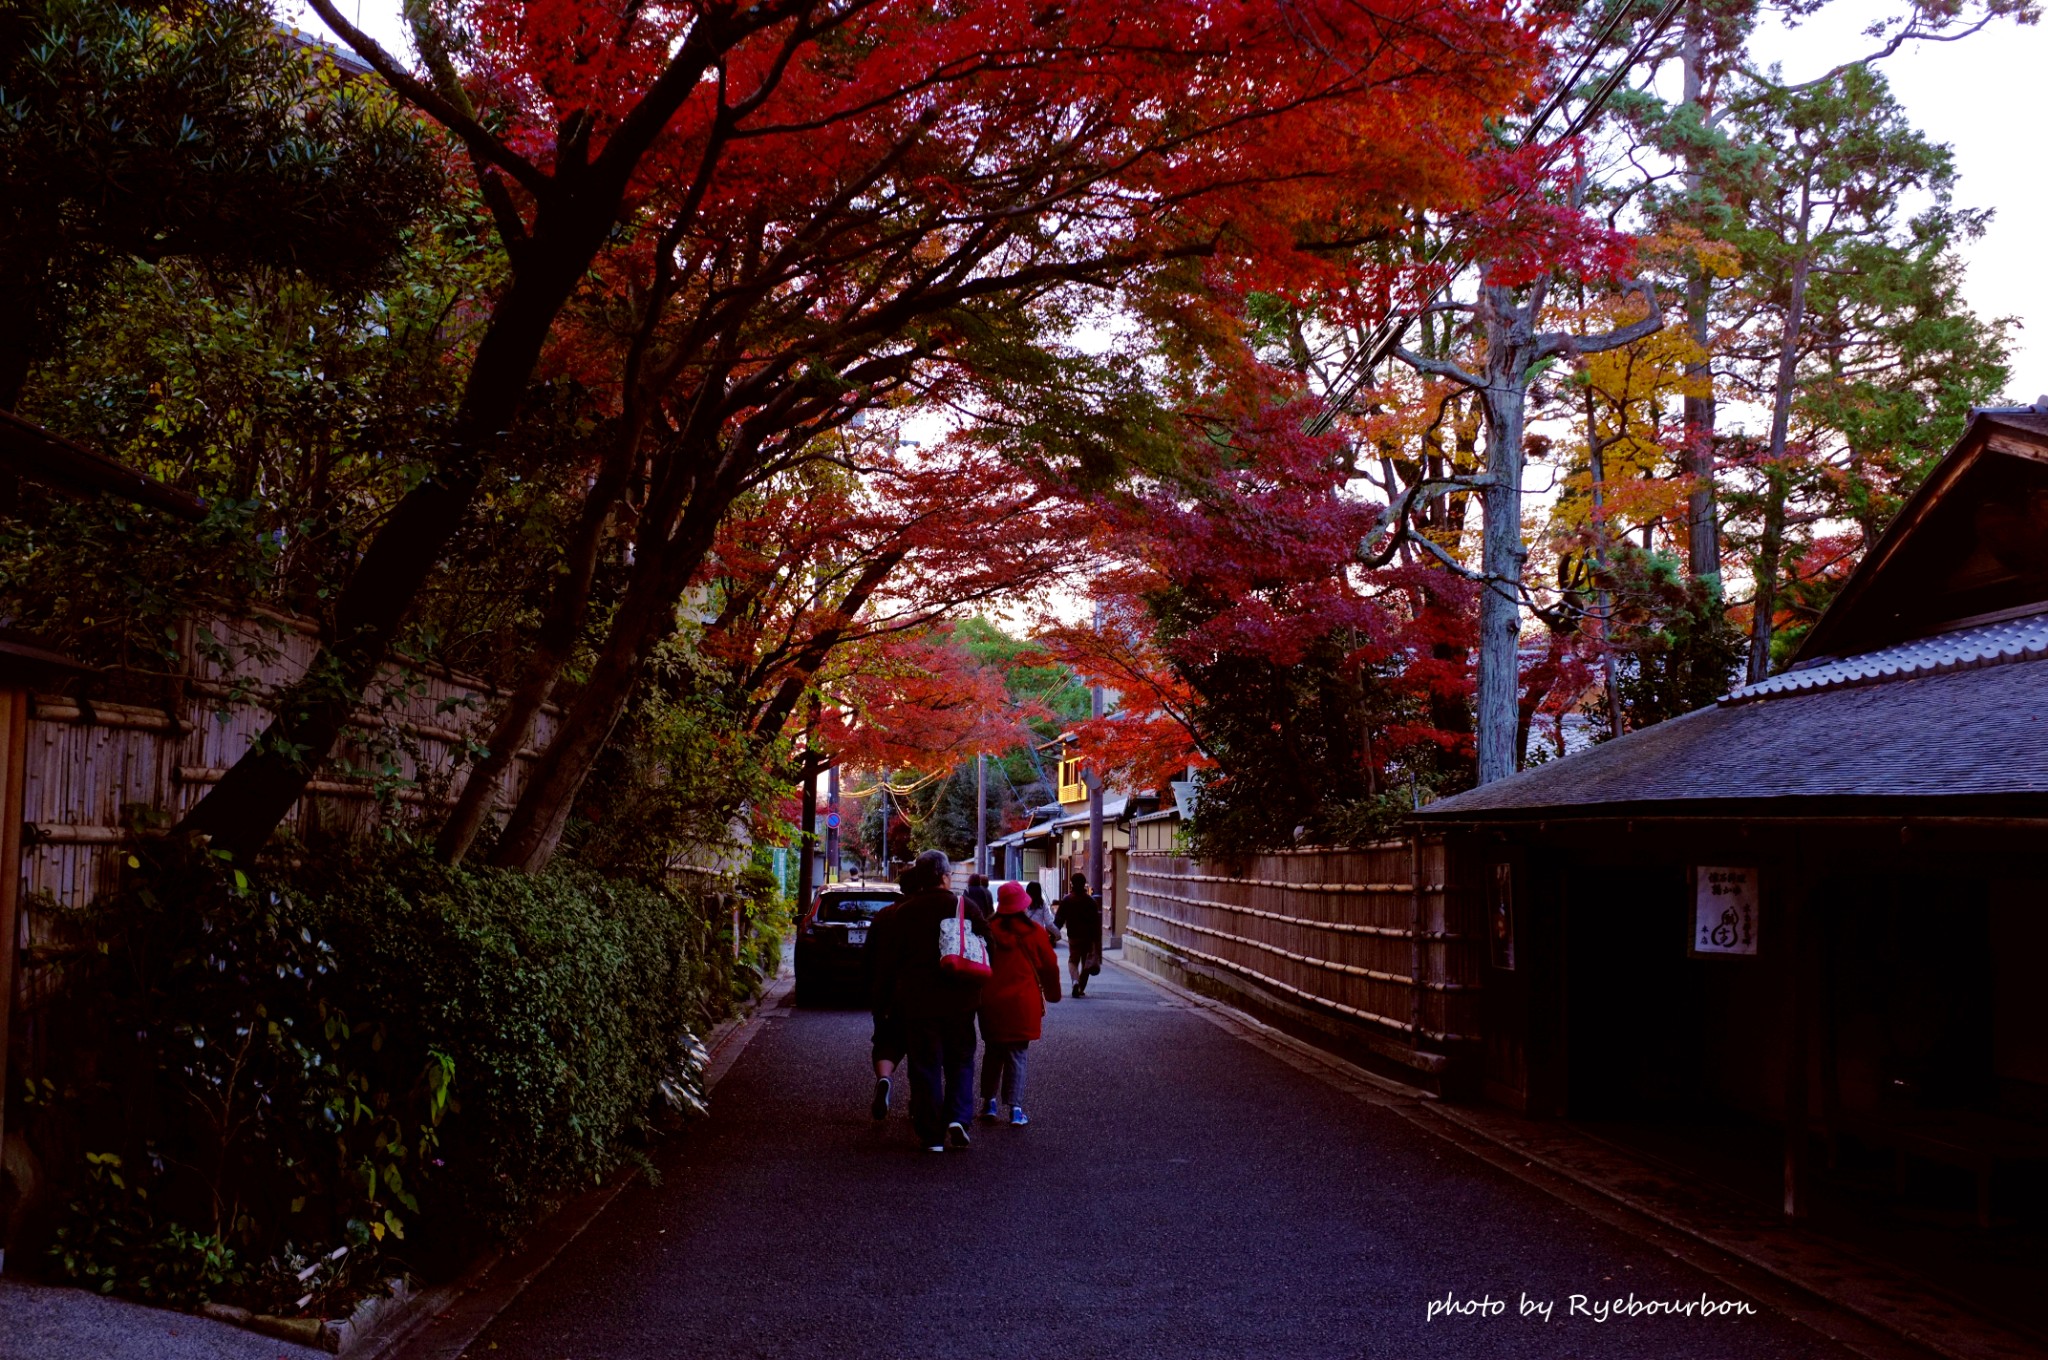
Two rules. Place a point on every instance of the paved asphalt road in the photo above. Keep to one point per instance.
(1180, 1193)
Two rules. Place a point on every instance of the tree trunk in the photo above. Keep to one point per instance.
(1512, 348)
(1703, 526)
(258, 791)
(807, 836)
(645, 616)
(1767, 557)
(1610, 680)
(1764, 602)
(556, 639)
(1500, 605)
(1703, 523)
(1505, 399)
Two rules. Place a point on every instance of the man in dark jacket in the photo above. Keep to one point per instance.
(1080, 915)
(888, 1048)
(935, 1008)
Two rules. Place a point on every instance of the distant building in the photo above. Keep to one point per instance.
(1054, 845)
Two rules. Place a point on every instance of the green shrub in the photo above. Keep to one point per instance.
(277, 1094)
(562, 999)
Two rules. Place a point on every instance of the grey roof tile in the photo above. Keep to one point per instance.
(1986, 644)
(1974, 731)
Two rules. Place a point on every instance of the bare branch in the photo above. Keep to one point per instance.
(1563, 342)
(1440, 368)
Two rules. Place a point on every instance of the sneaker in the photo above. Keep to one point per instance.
(1018, 1119)
(989, 1112)
(936, 1147)
(956, 1134)
(1081, 988)
(880, 1108)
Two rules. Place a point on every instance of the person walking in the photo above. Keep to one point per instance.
(1080, 916)
(887, 1048)
(978, 894)
(936, 1007)
(1040, 912)
(1025, 975)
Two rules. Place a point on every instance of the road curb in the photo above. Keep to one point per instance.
(443, 1321)
(1863, 1305)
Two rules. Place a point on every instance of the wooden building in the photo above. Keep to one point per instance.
(1821, 904)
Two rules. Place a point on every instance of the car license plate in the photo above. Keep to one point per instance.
(858, 935)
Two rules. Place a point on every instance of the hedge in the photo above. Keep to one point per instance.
(278, 1093)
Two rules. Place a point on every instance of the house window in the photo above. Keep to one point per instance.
(1072, 790)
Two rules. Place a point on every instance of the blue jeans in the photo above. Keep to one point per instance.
(941, 1075)
(1002, 1069)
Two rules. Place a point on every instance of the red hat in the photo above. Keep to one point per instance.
(1011, 900)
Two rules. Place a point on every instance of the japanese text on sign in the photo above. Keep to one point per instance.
(1724, 910)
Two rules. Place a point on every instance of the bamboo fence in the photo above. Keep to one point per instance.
(97, 770)
(1370, 934)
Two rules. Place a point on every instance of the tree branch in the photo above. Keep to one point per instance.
(1440, 368)
(1563, 342)
(473, 134)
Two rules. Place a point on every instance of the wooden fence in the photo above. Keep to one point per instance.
(96, 769)
(1373, 935)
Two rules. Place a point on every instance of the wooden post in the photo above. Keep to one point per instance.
(1417, 920)
(13, 776)
(1798, 1099)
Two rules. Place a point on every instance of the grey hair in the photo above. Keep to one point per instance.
(936, 862)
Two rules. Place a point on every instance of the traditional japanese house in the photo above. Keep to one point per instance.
(1820, 904)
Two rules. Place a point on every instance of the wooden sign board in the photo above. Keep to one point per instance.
(1725, 909)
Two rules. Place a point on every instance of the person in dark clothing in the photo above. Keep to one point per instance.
(888, 1047)
(979, 895)
(935, 1007)
(1080, 916)
(1039, 911)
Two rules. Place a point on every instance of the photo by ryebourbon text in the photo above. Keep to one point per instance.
(1589, 1307)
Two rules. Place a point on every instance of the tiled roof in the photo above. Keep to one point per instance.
(1977, 734)
(1987, 644)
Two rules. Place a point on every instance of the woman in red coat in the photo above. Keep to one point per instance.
(1025, 975)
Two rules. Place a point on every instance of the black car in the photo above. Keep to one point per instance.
(831, 941)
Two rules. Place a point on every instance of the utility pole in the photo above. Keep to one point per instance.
(1095, 816)
(981, 815)
(885, 824)
(832, 824)
(807, 842)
